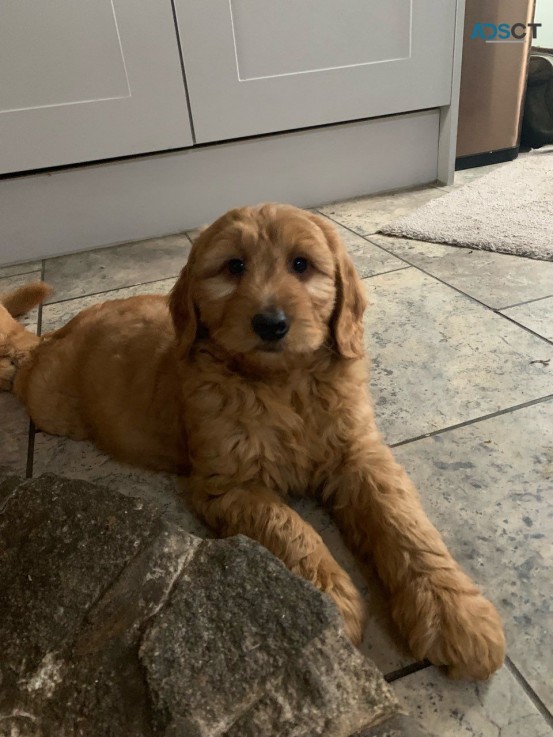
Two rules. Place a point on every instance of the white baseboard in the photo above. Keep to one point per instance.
(64, 211)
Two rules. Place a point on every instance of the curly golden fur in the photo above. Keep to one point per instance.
(187, 385)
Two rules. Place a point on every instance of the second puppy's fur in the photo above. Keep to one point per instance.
(251, 381)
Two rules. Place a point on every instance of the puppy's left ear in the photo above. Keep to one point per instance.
(347, 319)
(183, 311)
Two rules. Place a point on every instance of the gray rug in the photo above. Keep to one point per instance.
(509, 210)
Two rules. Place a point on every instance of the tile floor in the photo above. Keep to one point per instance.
(462, 347)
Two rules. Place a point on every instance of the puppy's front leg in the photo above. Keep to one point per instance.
(437, 607)
(261, 515)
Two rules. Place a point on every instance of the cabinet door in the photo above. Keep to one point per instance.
(255, 66)
(88, 79)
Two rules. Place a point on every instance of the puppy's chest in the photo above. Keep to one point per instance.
(295, 423)
(281, 436)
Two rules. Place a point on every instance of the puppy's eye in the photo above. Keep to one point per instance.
(236, 266)
(299, 264)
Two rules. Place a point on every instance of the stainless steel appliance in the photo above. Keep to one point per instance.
(493, 81)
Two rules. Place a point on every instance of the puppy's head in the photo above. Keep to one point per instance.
(269, 284)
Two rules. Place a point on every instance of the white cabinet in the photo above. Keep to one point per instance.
(88, 79)
(259, 66)
(359, 96)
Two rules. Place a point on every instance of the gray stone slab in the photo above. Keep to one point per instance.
(82, 460)
(116, 267)
(496, 279)
(117, 622)
(81, 568)
(440, 359)
(488, 487)
(14, 434)
(8, 483)
(274, 666)
(61, 548)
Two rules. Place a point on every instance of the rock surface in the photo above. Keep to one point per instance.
(116, 622)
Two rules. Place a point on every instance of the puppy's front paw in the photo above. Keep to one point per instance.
(339, 586)
(457, 629)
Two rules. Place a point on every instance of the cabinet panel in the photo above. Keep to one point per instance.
(257, 66)
(113, 203)
(273, 39)
(39, 45)
(88, 79)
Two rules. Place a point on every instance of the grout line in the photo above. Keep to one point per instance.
(19, 273)
(30, 450)
(529, 691)
(482, 418)
(107, 291)
(39, 321)
(407, 670)
(381, 273)
(527, 302)
(32, 427)
(520, 325)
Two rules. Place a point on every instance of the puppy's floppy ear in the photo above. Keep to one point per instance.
(346, 322)
(183, 311)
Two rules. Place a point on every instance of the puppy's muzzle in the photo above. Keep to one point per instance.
(271, 325)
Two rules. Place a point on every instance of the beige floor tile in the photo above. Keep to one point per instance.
(26, 267)
(106, 269)
(368, 259)
(58, 314)
(366, 215)
(439, 358)
(496, 279)
(538, 316)
(488, 488)
(499, 708)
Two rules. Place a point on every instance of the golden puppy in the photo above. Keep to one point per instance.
(251, 381)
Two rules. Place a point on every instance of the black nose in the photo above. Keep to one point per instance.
(270, 325)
